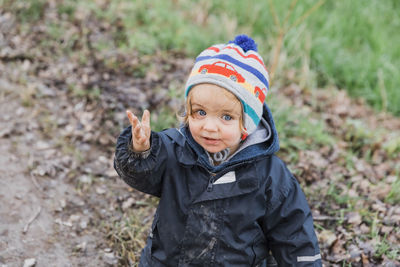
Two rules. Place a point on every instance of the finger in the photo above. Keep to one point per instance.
(130, 116)
(146, 118)
(146, 122)
(132, 119)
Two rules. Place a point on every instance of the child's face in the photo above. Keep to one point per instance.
(215, 118)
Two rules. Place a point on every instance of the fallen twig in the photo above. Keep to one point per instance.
(31, 220)
(325, 218)
(17, 57)
(36, 184)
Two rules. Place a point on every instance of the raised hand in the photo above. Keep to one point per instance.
(140, 131)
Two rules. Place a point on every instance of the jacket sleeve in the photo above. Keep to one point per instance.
(142, 173)
(289, 225)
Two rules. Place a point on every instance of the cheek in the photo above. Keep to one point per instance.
(193, 126)
(236, 137)
(233, 134)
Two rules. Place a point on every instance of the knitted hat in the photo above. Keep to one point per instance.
(237, 67)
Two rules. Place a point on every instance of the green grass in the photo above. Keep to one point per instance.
(28, 11)
(297, 129)
(392, 146)
(349, 44)
(355, 47)
(394, 195)
(163, 119)
(386, 248)
(128, 234)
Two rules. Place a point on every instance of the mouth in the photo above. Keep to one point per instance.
(210, 141)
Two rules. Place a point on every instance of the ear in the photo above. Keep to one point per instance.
(244, 134)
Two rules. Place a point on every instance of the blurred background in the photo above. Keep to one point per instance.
(69, 69)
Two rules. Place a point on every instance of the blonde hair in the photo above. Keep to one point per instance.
(187, 109)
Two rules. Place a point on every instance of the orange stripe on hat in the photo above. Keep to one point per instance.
(216, 49)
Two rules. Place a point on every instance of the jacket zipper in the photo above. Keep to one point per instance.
(211, 181)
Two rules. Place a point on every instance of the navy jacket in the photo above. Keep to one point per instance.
(226, 215)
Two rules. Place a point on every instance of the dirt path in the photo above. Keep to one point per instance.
(22, 203)
(40, 218)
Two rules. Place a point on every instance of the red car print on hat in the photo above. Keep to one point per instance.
(223, 68)
(260, 93)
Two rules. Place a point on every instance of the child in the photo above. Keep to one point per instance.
(225, 198)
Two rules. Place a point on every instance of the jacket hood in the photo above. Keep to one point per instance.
(264, 141)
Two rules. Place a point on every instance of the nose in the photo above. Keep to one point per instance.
(210, 125)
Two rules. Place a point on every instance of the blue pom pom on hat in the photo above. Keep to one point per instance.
(237, 67)
(245, 42)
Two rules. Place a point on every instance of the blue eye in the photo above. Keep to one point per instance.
(201, 112)
(227, 117)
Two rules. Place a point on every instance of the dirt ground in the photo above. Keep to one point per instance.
(50, 215)
(32, 224)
